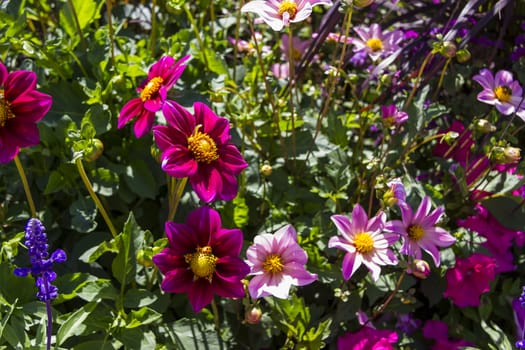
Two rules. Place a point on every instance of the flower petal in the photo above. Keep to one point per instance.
(19, 83)
(200, 294)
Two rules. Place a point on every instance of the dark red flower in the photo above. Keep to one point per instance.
(21, 106)
(202, 259)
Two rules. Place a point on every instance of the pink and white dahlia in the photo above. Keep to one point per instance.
(419, 231)
(202, 259)
(198, 147)
(377, 43)
(153, 93)
(364, 241)
(280, 13)
(21, 107)
(277, 263)
(501, 91)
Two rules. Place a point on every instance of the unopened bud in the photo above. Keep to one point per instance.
(144, 259)
(155, 153)
(484, 126)
(253, 315)
(419, 268)
(266, 170)
(95, 151)
(448, 49)
(463, 55)
(506, 155)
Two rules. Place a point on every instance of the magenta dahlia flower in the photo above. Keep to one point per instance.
(500, 90)
(153, 92)
(199, 147)
(364, 242)
(376, 42)
(21, 106)
(202, 259)
(418, 231)
(438, 331)
(470, 278)
(368, 338)
(280, 13)
(277, 263)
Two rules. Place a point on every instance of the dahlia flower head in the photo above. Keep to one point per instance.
(377, 43)
(501, 91)
(21, 107)
(280, 13)
(153, 93)
(198, 147)
(368, 338)
(364, 242)
(277, 263)
(202, 259)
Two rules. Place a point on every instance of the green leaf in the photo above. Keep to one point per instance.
(497, 335)
(94, 344)
(124, 265)
(83, 12)
(136, 338)
(99, 289)
(83, 213)
(215, 61)
(136, 298)
(74, 324)
(6, 317)
(140, 180)
(508, 210)
(142, 316)
(240, 212)
(105, 181)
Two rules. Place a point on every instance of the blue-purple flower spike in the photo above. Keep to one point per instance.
(520, 344)
(41, 263)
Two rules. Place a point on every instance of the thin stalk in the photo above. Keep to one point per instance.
(389, 299)
(153, 26)
(27, 190)
(98, 203)
(291, 69)
(216, 319)
(77, 23)
(416, 83)
(197, 35)
(177, 189)
(111, 32)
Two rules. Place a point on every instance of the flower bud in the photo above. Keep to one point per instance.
(448, 49)
(484, 126)
(144, 259)
(506, 155)
(253, 315)
(266, 169)
(463, 55)
(95, 151)
(362, 3)
(419, 268)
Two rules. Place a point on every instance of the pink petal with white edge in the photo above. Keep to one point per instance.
(485, 79)
(300, 276)
(351, 263)
(130, 110)
(338, 242)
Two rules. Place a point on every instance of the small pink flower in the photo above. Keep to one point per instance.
(198, 147)
(280, 13)
(364, 242)
(153, 93)
(202, 259)
(368, 338)
(21, 107)
(501, 90)
(393, 117)
(470, 278)
(376, 42)
(277, 263)
(419, 231)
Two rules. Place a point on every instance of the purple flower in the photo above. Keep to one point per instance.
(153, 93)
(518, 306)
(202, 259)
(21, 106)
(376, 42)
(368, 338)
(418, 231)
(364, 242)
(199, 147)
(277, 263)
(501, 90)
(41, 263)
(280, 13)
(393, 117)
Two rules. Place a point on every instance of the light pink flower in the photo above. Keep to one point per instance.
(364, 242)
(501, 90)
(277, 263)
(280, 13)
(418, 231)
(376, 42)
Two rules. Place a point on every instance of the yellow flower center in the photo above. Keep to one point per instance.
(296, 54)
(503, 93)
(363, 243)
(273, 264)
(5, 110)
(151, 88)
(288, 6)
(202, 146)
(375, 44)
(202, 263)
(415, 232)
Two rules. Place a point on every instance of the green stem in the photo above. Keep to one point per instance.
(416, 83)
(77, 23)
(216, 319)
(23, 177)
(153, 26)
(111, 33)
(176, 189)
(291, 70)
(94, 196)
(197, 35)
